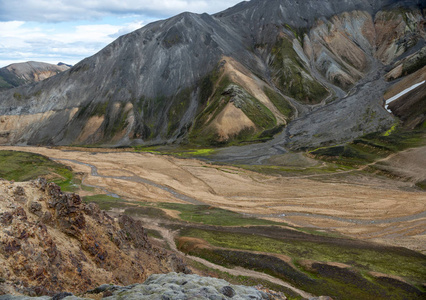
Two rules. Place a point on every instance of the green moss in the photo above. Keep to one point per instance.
(23, 166)
(372, 146)
(279, 102)
(105, 202)
(17, 96)
(244, 280)
(154, 233)
(180, 105)
(213, 216)
(4, 84)
(291, 76)
(366, 257)
(99, 109)
(257, 112)
(226, 91)
(114, 124)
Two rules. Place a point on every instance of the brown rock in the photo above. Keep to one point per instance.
(36, 208)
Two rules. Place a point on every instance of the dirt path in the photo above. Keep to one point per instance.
(169, 237)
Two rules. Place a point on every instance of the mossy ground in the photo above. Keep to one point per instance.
(341, 283)
(279, 102)
(23, 166)
(202, 214)
(203, 134)
(372, 147)
(105, 202)
(291, 76)
(178, 151)
(243, 280)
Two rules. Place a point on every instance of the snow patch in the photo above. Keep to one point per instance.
(401, 94)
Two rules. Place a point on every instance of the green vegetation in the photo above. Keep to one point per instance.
(291, 76)
(105, 202)
(178, 108)
(9, 80)
(151, 112)
(204, 134)
(182, 151)
(23, 166)
(154, 233)
(328, 168)
(372, 146)
(203, 214)
(343, 283)
(244, 280)
(279, 102)
(4, 84)
(414, 65)
(113, 124)
(17, 96)
(214, 216)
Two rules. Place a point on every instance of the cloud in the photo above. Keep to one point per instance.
(64, 10)
(68, 31)
(21, 41)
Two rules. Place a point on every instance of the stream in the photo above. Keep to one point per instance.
(94, 172)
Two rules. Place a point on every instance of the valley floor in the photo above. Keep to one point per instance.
(360, 206)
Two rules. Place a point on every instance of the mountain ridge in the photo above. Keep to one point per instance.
(154, 84)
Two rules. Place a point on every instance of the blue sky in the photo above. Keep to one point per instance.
(69, 30)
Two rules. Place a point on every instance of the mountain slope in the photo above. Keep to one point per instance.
(235, 76)
(23, 73)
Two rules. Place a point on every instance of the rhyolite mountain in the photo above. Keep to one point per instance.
(317, 67)
(28, 72)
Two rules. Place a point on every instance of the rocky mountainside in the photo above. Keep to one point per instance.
(23, 73)
(239, 75)
(51, 242)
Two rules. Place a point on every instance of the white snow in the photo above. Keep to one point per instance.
(401, 94)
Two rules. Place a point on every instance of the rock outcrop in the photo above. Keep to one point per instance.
(51, 242)
(170, 286)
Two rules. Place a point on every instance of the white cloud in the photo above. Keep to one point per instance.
(64, 10)
(68, 31)
(22, 42)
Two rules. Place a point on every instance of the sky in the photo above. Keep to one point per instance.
(67, 31)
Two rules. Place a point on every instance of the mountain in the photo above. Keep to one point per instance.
(316, 67)
(28, 72)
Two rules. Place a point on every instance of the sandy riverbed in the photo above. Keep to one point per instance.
(378, 213)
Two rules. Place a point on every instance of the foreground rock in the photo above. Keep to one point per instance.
(51, 242)
(171, 286)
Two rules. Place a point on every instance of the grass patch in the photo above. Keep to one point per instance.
(175, 151)
(372, 147)
(105, 202)
(319, 279)
(243, 280)
(387, 260)
(147, 211)
(279, 102)
(209, 215)
(23, 166)
(154, 233)
(202, 214)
